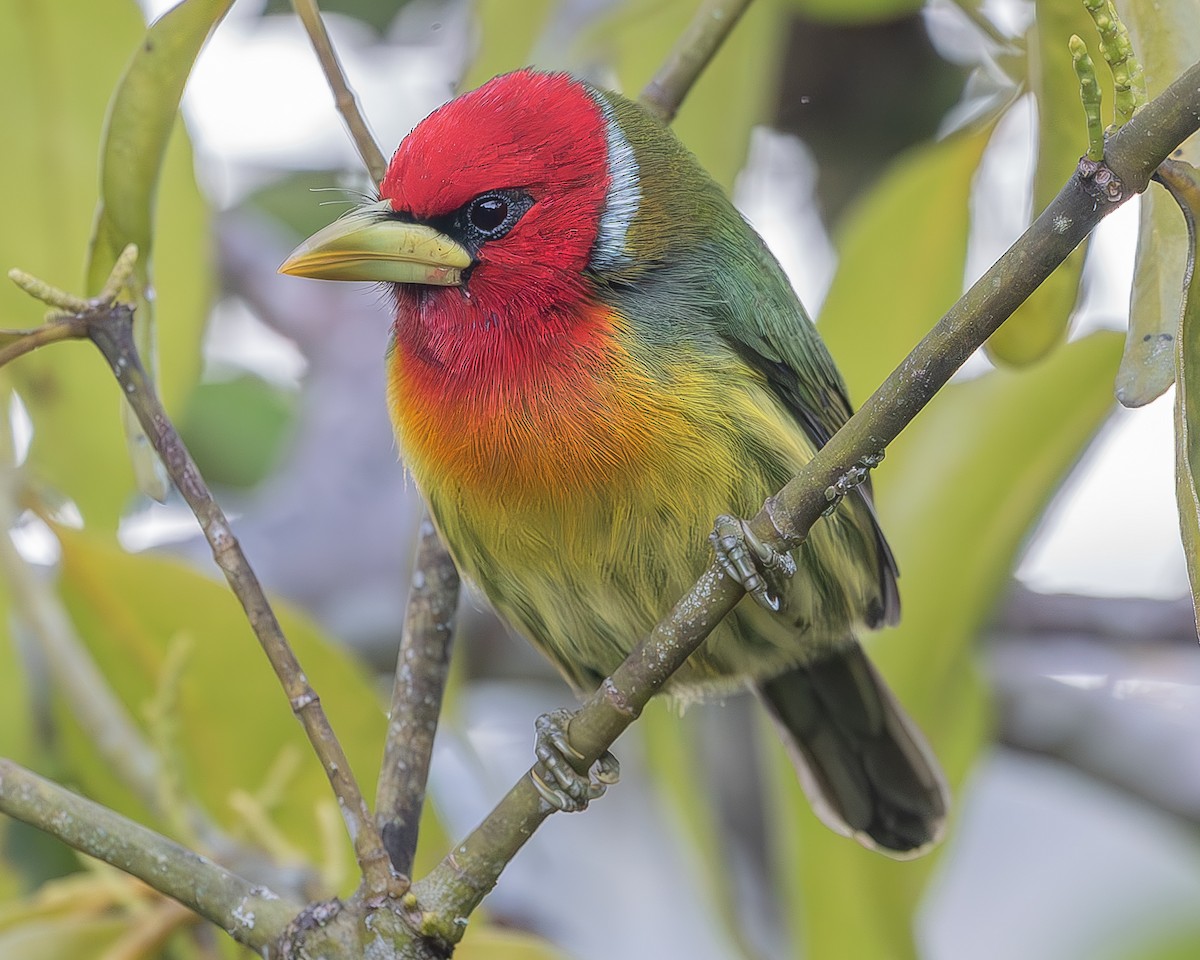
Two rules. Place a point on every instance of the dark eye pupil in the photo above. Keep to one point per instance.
(489, 213)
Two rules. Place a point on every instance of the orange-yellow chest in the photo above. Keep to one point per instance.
(515, 422)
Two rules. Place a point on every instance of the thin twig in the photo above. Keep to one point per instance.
(690, 55)
(421, 669)
(456, 886)
(19, 343)
(343, 96)
(251, 914)
(114, 338)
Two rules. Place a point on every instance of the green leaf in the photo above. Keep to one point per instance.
(140, 120)
(1173, 946)
(15, 717)
(484, 942)
(378, 14)
(856, 11)
(1166, 41)
(902, 251)
(234, 723)
(62, 938)
(507, 42)
(959, 492)
(58, 66)
(674, 762)
(1185, 187)
(236, 429)
(1148, 363)
(732, 94)
(1040, 323)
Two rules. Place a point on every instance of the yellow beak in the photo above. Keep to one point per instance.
(368, 244)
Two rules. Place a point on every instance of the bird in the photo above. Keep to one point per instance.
(595, 368)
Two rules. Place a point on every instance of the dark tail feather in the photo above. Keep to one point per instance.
(863, 763)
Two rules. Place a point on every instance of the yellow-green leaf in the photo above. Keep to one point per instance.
(1040, 323)
(58, 66)
(732, 94)
(856, 11)
(484, 942)
(234, 722)
(1185, 187)
(958, 494)
(140, 120)
(506, 42)
(63, 938)
(674, 762)
(901, 256)
(1166, 41)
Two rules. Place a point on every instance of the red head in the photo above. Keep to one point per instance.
(524, 157)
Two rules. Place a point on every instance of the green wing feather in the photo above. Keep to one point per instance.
(690, 245)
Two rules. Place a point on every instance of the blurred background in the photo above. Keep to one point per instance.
(888, 150)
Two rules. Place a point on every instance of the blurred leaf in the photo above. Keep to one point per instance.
(289, 200)
(733, 93)
(15, 717)
(58, 66)
(674, 762)
(959, 492)
(378, 14)
(506, 41)
(233, 720)
(1175, 946)
(62, 938)
(1148, 364)
(236, 429)
(15, 734)
(902, 251)
(1166, 41)
(1040, 323)
(137, 129)
(856, 11)
(1184, 182)
(483, 942)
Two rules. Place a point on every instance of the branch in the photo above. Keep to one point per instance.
(343, 96)
(251, 914)
(113, 335)
(421, 668)
(460, 881)
(690, 55)
(109, 324)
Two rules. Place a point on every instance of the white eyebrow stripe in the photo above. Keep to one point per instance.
(623, 198)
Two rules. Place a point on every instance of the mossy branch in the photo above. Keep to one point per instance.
(251, 914)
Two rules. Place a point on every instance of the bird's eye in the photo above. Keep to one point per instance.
(489, 215)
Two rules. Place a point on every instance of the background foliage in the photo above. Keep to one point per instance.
(959, 493)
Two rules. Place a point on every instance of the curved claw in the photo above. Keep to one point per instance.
(554, 775)
(608, 768)
(760, 569)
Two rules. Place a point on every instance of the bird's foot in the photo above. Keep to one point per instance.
(762, 570)
(554, 775)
